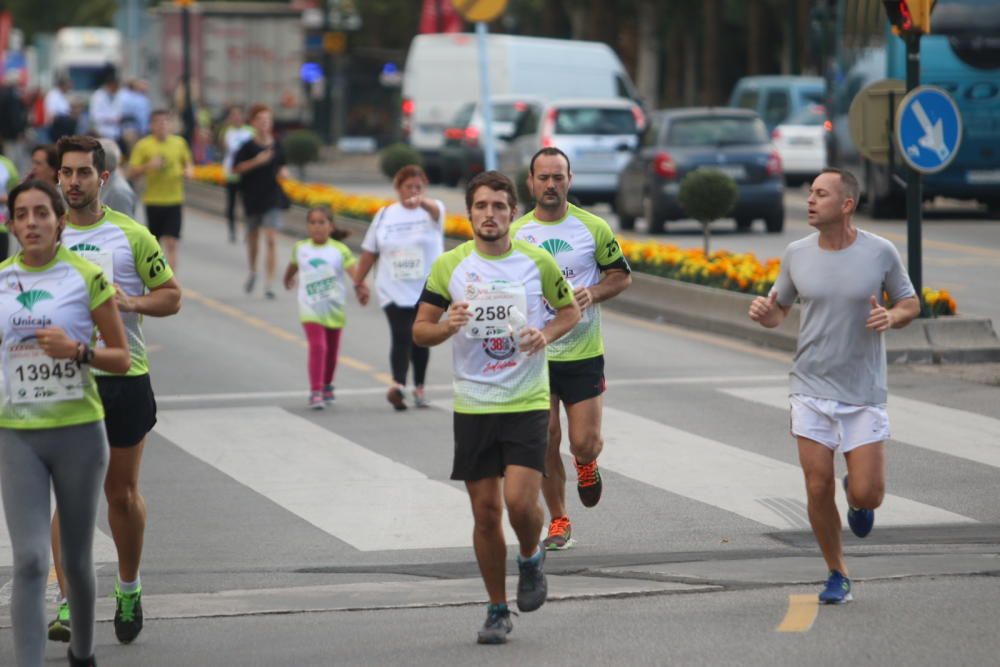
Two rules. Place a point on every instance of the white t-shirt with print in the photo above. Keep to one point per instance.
(407, 241)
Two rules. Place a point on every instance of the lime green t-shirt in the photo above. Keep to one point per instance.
(164, 186)
(37, 391)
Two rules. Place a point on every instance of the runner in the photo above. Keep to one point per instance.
(235, 133)
(44, 163)
(117, 194)
(494, 291)
(8, 179)
(408, 236)
(50, 414)
(838, 379)
(323, 260)
(165, 160)
(133, 262)
(259, 163)
(587, 253)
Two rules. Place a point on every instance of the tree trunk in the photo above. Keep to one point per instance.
(754, 36)
(690, 68)
(710, 52)
(648, 72)
(578, 15)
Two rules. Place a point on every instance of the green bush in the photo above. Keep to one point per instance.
(302, 147)
(707, 195)
(396, 156)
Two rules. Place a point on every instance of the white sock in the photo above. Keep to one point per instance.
(129, 586)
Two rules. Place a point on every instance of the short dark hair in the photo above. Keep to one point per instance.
(51, 154)
(495, 181)
(58, 207)
(848, 181)
(548, 150)
(79, 143)
(158, 112)
(337, 234)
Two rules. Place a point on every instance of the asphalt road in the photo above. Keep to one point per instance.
(279, 536)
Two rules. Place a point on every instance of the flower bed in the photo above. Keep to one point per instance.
(740, 272)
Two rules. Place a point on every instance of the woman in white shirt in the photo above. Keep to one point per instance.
(406, 238)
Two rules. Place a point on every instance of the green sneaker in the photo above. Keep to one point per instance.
(128, 615)
(59, 628)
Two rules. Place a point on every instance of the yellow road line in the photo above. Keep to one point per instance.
(802, 611)
(267, 327)
(385, 379)
(946, 245)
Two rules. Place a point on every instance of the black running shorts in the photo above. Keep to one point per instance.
(129, 408)
(164, 220)
(575, 381)
(486, 444)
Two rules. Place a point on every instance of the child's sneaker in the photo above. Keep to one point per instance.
(328, 396)
(316, 401)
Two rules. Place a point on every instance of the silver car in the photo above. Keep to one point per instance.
(598, 136)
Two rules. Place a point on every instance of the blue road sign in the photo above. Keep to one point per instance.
(928, 129)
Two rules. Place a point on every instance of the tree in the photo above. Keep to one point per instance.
(40, 16)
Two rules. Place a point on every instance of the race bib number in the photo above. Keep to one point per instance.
(323, 287)
(407, 264)
(35, 377)
(104, 259)
(492, 306)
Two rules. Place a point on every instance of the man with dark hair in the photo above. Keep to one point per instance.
(838, 381)
(495, 291)
(593, 264)
(164, 159)
(134, 263)
(118, 193)
(44, 163)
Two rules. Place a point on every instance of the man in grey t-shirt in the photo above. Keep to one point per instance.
(838, 379)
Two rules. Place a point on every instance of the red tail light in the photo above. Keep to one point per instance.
(775, 134)
(773, 167)
(407, 107)
(640, 119)
(828, 126)
(471, 136)
(549, 127)
(454, 133)
(407, 118)
(664, 165)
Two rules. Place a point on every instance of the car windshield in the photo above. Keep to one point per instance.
(595, 121)
(716, 131)
(508, 112)
(814, 114)
(463, 115)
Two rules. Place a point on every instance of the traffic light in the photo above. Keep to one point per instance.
(910, 17)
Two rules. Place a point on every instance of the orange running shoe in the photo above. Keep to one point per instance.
(588, 482)
(560, 535)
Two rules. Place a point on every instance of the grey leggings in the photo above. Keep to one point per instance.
(74, 459)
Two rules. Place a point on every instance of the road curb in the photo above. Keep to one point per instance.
(949, 340)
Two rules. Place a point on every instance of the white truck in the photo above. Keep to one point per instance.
(83, 55)
(442, 74)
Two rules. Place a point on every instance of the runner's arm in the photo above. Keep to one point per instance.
(612, 283)
(114, 357)
(364, 266)
(565, 319)
(360, 289)
(161, 301)
(428, 327)
(290, 272)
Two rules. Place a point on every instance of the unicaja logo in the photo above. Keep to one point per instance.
(30, 298)
(85, 247)
(316, 262)
(556, 246)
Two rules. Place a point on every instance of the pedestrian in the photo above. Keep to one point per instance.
(106, 107)
(260, 163)
(404, 238)
(838, 385)
(144, 286)
(44, 164)
(495, 292)
(51, 433)
(136, 111)
(235, 133)
(593, 264)
(9, 178)
(321, 261)
(59, 120)
(117, 194)
(164, 159)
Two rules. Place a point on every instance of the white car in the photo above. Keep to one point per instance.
(801, 143)
(597, 135)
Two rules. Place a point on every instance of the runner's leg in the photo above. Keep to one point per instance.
(316, 336)
(253, 244)
(584, 417)
(520, 489)
(126, 508)
(487, 535)
(400, 329)
(169, 244)
(332, 354)
(554, 484)
(866, 476)
(270, 237)
(817, 466)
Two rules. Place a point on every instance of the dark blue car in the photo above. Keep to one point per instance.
(733, 141)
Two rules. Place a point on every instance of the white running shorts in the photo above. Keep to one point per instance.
(839, 426)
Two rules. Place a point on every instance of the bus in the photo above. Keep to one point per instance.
(962, 56)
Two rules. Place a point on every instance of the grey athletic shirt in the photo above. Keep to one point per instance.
(837, 356)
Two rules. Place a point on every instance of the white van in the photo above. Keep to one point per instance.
(442, 74)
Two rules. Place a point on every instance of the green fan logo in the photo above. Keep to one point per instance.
(556, 246)
(316, 262)
(85, 247)
(30, 298)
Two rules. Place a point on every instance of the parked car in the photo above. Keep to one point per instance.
(463, 156)
(801, 143)
(777, 98)
(597, 135)
(733, 141)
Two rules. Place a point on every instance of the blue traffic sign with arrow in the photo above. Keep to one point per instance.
(928, 129)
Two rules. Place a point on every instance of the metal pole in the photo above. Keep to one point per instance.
(914, 184)
(489, 148)
(188, 112)
(326, 109)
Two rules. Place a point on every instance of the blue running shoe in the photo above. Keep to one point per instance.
(861, 521)
(837, 591)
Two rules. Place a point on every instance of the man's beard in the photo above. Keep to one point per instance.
(82, 203)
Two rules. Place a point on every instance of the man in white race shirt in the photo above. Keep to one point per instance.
(838, 380)
(494, 291)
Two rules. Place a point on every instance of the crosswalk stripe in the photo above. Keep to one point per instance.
(757, 487)
(354, 494)
(104, 547)
(939, 429)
